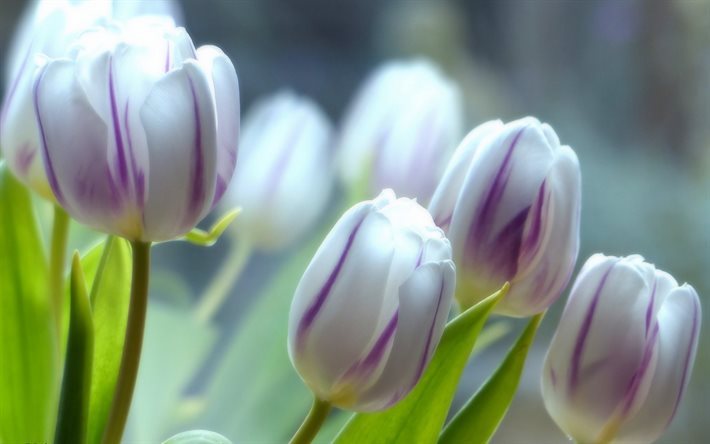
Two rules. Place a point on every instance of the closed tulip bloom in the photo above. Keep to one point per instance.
(50, 28)
(510, 202)
(401, 130)
(138, 129)
(284, 176)
(370, 308)
(623, 352)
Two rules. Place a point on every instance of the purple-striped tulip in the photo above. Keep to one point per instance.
(50, 28)
(401, 130)
(139, 130)
(509, 202)
(371, 307)
(622, 355)
(284, 176)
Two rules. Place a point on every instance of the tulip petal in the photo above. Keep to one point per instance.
(182, 156)
(74, 147)
(226, 92)
(447, 193)
(550, 242)
(425, 300)
(511, 168)
(580, 368)
(679, 319)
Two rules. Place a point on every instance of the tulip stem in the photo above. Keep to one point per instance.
(57, 262)
(132, 344)
(313, 422)
(224, 281)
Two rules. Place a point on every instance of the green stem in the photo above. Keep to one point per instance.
(132, 344)
(228, 274)
(57, 263)
(313, 422)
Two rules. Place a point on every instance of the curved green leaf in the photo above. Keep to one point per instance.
(418, 418)
(197, 437)
(29, 365)
(478, 420)
(76, 383)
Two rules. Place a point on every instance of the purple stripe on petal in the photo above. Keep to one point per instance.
(362, 368)
(309, 316)
(167, 57)
(688, 355)
(504, 251)
(138, 176)
(120, 151)
(48, 166)
(637, 377)
(531, 243)
(482, 222)
(584, 332)
(553, 377)
(24, 157)
(277, 172)
(198, 192)
(430, 336)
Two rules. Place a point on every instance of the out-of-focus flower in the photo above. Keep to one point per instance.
(371, 307)
(50, 28)
(284, 175)
(138, 129)
(400, 130)
(622, 355)
(510, 202)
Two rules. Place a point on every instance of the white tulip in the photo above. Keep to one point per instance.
(138, 129)
(370, 308)
(622, 355)
(284, 176)
(510, 202)
(401, 130)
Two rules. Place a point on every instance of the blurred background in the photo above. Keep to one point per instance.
(625, 83)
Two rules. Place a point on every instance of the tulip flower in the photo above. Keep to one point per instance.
(283, 179)
(622, 355)
(371, 306)
(510, 202)
(138, 129)
(50, 28)
(401, 130)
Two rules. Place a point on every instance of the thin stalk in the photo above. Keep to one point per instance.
(57, 263)
(313, 422)
(224, 281)
(132, 344)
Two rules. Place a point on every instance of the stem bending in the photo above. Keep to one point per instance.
(313, 422)
(132, 345)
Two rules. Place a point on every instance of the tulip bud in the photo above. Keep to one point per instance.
(371, 307)
(283, 179)
(509, 202)
(401, 130)
(138, 130)
(622, 355)
(49, 28)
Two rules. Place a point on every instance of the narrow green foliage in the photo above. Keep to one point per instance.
(76, 383)
(208, 238)
(478, 420)
(29, 365)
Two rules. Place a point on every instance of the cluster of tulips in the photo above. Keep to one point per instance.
(116, 118)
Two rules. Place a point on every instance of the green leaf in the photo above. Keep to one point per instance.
(108, 271)
(208, 238)
(420, 416)
(76, 383)
(29, 370)
(478, 420)
(197, 437)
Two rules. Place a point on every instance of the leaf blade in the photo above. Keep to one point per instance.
(480, 417)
